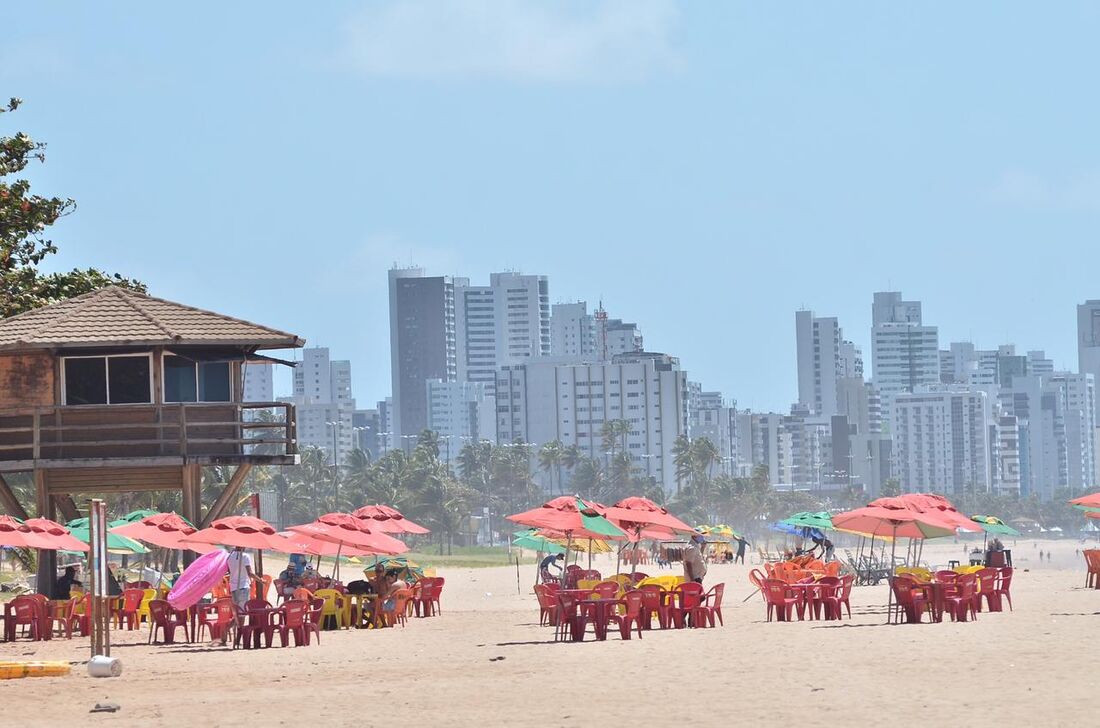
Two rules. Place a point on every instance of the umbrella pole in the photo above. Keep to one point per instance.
(890, 579)
(590, 554)
(568, 547)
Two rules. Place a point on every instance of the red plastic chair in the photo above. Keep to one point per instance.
(224, 612)
(59, 615)
(828, 592)
(910, 600)
(636, 576)
(428, 599)
(296, 622)
(987, 579)
(653, 603)
(844, 594)
(572, 574)
(81, 620)
(128, 612)
(259, 624)
(687, 597)
(314, 613)
(548, 605)
(712, 605)
(961, 601)
(1004, 585)
(946, 575)
(778, 597)
(632, 616)
(572, 620)
(27, 613)
(167, 620)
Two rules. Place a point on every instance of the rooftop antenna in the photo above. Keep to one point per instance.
(601, 325)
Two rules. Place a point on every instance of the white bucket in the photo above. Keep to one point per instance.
(101, 666)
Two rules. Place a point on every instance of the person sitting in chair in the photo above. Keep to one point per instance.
(67, 581)
(546, 563)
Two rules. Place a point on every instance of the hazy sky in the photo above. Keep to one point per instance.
(706, 168)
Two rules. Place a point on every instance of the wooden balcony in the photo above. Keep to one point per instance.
(148, 434)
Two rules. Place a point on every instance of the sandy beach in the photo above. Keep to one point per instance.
(486, 661)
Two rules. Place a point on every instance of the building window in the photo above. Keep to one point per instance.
(107, 379)
(190, 381)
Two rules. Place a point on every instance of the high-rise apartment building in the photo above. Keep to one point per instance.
(709, 416)
(572, 330)
(460, 413)
(422, 345)
(819, 344)
(1080, 421)
(259, 384)
(545, 400)
(905, 353)
(941, 439)
(500, 324)
(324, 404)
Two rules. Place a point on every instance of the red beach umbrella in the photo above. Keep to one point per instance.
(893, 523)
(348, 531)
(19, 535)
(303, 544)
(166, 530)
(1087, 501)
(563, 515)
(388, 520)
(244, 531)
(630, 513)
(53, 532)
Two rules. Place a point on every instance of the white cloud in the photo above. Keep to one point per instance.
(1017, 188)
(516, 40)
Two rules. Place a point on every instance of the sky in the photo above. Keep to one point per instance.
(705, 168)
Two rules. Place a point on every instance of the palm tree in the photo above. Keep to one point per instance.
(589, 480)
(550, 459)
(681, 458)
(614, 433)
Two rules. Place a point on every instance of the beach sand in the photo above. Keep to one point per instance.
(1035, 665)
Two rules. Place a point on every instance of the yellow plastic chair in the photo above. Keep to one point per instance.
(967, 569)
(623, 580)
(143, 614)
(336, 605)
(587, 584)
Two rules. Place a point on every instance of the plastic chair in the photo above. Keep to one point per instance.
(167, 620)
(653, 603)
(844, 594)
(400, 599)
(80, 616)
(295, 622)
(571, 619)
(632, 615)
(224, 612)
(1093, 566)
(828, 591)
(909, 599)
(59, 614)
(313, 617)
(266, 579)
(961, 601)
(259, 624)
(987, 587)
(779, 600)
(428, 599)
(148, 595)
(636, 576)
(1004, 585)
(946, 575)
(336, 606)
(547, 605)
(686, 598)
(128, 612)
(712, 604)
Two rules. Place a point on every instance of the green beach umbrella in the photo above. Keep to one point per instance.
(135, 516)
(528, 539)
(806, 519)
(992, 524)
(593, 522)
(116, 544)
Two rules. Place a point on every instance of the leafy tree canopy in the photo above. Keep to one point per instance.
(24, 221)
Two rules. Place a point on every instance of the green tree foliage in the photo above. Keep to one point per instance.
(24, 221)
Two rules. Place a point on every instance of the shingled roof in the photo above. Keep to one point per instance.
(116, 316)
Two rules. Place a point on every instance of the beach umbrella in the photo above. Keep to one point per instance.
(571, 516)
(16, 534)
(303, 544)
(164, 530)
(56, 534)
(388, 520)
(892, 522)
(530, 539)
(818, 520)
(116, 544)
(636, 512)
(135, 516)
(349, 531)
(244, 531)
(405, 567)
(992, 524)
(1087, 502)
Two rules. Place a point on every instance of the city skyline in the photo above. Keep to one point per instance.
(680, 154)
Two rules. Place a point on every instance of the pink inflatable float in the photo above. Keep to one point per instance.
(199, 578)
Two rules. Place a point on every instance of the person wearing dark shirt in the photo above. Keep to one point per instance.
(546, 563)
(67, 581)
(742, 543)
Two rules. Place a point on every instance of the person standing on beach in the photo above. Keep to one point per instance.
(742, 543)
(695, 566)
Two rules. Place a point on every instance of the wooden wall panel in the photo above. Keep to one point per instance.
(26, 380)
